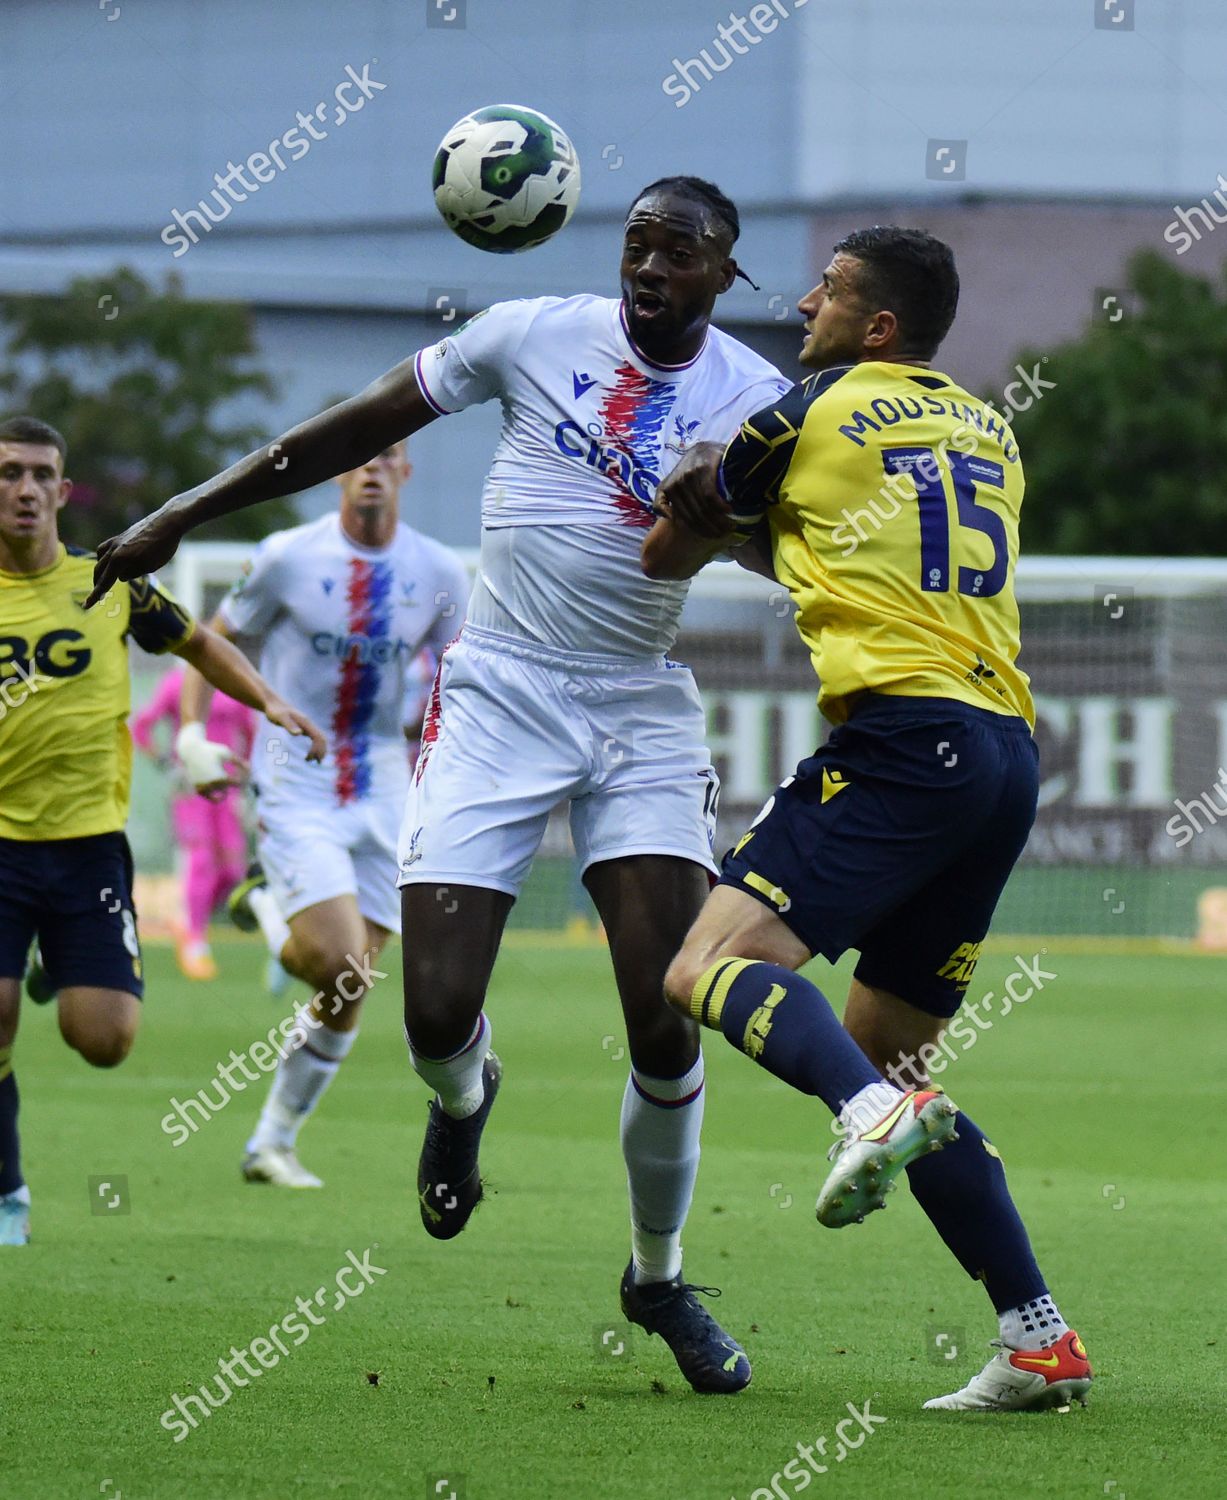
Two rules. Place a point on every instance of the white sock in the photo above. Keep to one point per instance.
(312, 1058)
(867, 1106)
(1032, 1325)
(661, 1121)
(457, 1079)
(18, 1195)
(273, 925)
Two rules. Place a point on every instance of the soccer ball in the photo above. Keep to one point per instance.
(506, 178)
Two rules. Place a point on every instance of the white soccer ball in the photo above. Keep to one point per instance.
(506, 178)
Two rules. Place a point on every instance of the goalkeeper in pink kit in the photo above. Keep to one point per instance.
(208, 830)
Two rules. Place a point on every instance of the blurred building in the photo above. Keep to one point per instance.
(1046, 142)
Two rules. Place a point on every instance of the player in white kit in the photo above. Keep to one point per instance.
(558, 690)
(340, 610)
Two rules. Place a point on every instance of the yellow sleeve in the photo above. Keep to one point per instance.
(756, 461)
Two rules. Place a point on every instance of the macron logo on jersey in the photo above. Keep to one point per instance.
(581, 382)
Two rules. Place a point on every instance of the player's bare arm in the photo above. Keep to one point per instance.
(335, 441)
(672, 550)
(196, 695)
(214, 660)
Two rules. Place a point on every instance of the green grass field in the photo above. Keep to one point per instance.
(492, 1378)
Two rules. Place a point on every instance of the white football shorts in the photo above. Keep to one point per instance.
(313, 850)
(514, 729)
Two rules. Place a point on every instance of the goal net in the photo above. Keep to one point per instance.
(1128, 662)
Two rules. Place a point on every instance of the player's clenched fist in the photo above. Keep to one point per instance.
(690, 494)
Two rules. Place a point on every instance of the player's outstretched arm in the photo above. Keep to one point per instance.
(339, 439)
(220, 663)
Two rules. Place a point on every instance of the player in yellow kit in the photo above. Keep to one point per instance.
(886, 499)
(65, 765)
(918, 608)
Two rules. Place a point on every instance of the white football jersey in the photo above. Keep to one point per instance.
(590, 427)
(340, 629)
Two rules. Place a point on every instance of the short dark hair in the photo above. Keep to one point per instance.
(912, 274)
(31, 430)
(699, 190)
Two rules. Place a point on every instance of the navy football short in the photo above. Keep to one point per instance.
(75, 895)
(897, 838)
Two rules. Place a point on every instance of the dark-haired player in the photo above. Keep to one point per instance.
(558, 690)
(65, 766)
(891, 497)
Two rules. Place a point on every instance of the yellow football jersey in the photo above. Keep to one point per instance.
(893, 497)
(65, 751)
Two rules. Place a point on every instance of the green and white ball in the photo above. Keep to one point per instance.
(506, 178)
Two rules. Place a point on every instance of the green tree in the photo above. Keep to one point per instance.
(139, 381)
(1126, 455)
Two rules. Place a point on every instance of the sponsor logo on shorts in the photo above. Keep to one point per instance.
(961, 963)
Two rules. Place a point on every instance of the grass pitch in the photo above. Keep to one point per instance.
(498, 1365)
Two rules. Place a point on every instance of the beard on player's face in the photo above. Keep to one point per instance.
(837, 317)
(668, 322)
(835, 335)
(827, 347)
(672, 272)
